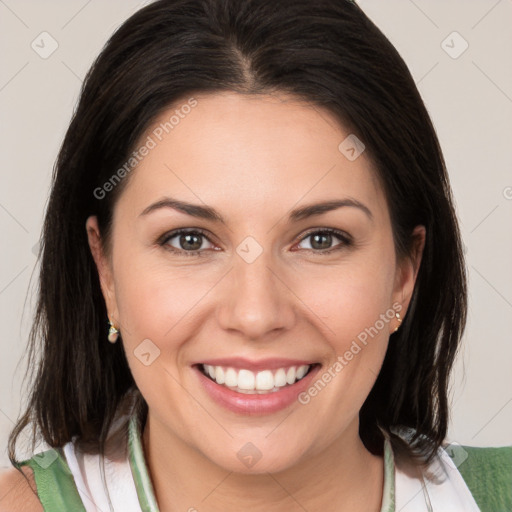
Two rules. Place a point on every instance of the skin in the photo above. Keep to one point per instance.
(16, 493)
(254, 158)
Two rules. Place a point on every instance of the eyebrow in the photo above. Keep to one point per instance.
(209, 213)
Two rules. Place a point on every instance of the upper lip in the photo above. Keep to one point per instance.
(261, 364)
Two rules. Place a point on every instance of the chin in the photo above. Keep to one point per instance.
(255, 458)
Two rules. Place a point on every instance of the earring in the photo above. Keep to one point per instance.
(113, 332)
(399, 321)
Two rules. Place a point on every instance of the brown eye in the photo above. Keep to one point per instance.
(187, 242)
(321, 240)
(190, 241)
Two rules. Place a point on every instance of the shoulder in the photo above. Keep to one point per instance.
(487, 473)
(487, 464)
(16, 493)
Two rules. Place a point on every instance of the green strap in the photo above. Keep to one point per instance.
(56, 486)
(488, 474)
(388, 495)
(143, 485)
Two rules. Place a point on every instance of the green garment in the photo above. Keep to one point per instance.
(55, 483)
(488, 474)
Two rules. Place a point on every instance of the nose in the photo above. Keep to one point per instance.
(256, 301)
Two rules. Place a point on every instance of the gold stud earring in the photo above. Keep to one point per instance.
(399, 321)
(113, 332)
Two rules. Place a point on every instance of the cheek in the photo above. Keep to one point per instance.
(355, 306)
(157, 303)
(151, 303)
(154, 298)
(350, 298)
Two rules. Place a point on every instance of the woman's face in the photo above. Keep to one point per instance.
(264, 293)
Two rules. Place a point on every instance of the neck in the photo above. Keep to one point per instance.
(343, 477)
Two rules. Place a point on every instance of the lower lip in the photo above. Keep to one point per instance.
(255, 404)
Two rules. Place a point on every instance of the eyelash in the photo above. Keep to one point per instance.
(344, 237)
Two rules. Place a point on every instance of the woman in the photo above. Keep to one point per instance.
(252, 207)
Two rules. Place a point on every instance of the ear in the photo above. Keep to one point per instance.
(407, 271)
(104, 267)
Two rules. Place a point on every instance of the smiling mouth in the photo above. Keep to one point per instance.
(260, 382)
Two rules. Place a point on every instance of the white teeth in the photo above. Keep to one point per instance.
(280, 378)
(290, 375)
(210, 370)
(301, 371)
(231, 378)
(219, 375)
(264, 380)
(246, 381)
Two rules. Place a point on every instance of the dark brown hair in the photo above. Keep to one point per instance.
(325, 52)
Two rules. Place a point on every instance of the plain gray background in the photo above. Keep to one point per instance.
(468, 92)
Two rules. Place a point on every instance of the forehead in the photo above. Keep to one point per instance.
(248, 153)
